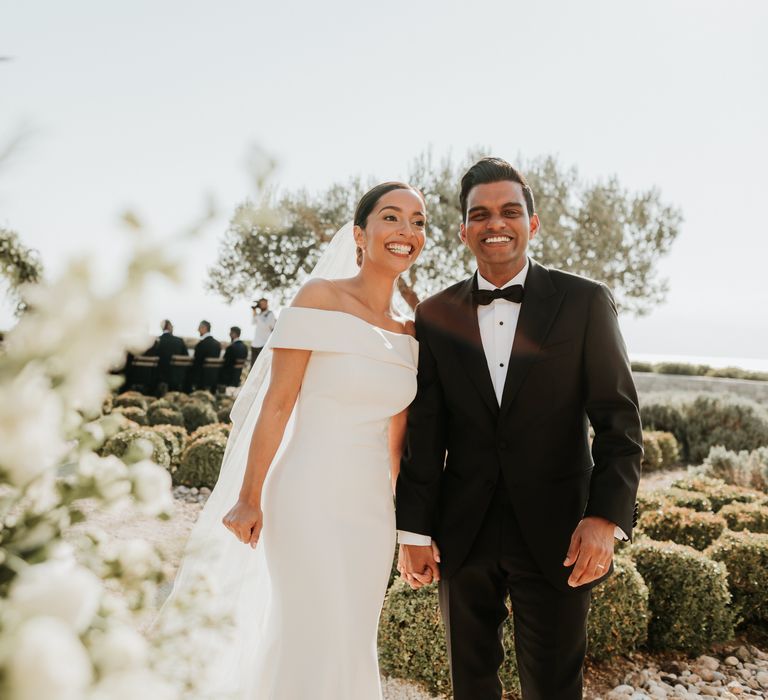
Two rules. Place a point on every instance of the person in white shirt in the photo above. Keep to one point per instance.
(263, 321)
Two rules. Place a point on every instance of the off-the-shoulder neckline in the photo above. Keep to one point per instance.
(355, 316)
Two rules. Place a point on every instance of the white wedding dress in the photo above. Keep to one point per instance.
(306, 602)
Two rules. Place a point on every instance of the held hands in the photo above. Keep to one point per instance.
(591, 550)
(418, 565)
(245, 520)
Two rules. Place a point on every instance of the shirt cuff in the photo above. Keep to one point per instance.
(619, 534)
(413, 538)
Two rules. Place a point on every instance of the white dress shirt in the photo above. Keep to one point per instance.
(264, 324)
(498, 323)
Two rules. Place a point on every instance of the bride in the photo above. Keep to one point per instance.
(308, 472)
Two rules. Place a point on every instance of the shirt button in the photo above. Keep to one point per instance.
(501, 323)
(501, 364)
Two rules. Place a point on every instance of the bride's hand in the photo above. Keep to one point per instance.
(245, 520)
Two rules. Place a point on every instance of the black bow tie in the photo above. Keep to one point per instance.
(486, 296)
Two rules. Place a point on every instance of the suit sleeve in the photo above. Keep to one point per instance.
(421, 467)
(612, 408)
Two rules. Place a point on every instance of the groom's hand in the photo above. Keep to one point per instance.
(591, 550)
(419, 565)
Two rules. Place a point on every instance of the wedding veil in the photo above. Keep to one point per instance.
(236, 574)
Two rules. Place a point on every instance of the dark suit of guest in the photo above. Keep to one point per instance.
(207, 347)
(164, 348)
(500, 478)
(230, 375)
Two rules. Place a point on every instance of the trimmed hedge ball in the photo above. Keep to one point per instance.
(652, 455)
(210, 429)
(123, 444)
(665, 413)
(203, 395)
(745, 555)
(687, 594)
(746, 516)
(165, 416)
(688, 499)
(131, 398)
(196, 414)
(651, 500)
(201, 462)
(682, 526)
(619, 614)
(133, 413)
(175, 439)
(717, 491)
(747, 469)
(412, 641)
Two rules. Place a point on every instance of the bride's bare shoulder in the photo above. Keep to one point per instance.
(318, 293)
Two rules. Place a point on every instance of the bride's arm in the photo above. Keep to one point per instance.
(396, 442)
(287, 373)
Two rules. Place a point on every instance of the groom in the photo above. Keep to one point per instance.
(515, 363)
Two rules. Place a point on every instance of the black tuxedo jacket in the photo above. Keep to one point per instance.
(165, 346)
(568, 368)
(207, 347)
(237, 350)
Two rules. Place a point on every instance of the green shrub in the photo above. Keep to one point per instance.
(747, 469)
(670, 451)
(210, 429)
(412, 641)
(165, 416)
(176, 398)
(746, 516)
(664, 412)
(737, 373)
(733, 422)
(134, 413)
(131, 398)
(618, 614)
(159, 403)
(717, 491)
(201, 462)
(688, 499)
(687, 595)
(651, 500)
(175, 439)
(745, 555)
(120, 444)
(682, 368)
(107, 404)
(224, 408)
(652, 457)
(638, 366)
(682, 526)
(196, 414)
(204, 396)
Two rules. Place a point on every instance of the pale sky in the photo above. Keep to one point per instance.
(151, 105)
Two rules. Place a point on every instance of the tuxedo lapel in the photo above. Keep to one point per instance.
(537, 312)
(469, 345)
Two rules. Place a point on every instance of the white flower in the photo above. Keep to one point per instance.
(130, 685)
(152, 487)
(119, 649)
(47, 661)
(30, 426)
(109, 473)
(58, 589)
(137, 559)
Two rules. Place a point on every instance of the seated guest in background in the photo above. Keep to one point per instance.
(165, 346)
(237, 350)
(263, 321)
(207, 347)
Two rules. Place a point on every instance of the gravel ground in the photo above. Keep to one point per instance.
(736, 672)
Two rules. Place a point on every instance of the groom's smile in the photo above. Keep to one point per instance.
(497, 229)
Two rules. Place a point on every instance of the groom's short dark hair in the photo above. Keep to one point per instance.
(488, 170)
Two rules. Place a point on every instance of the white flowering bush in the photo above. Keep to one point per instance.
(69, 607)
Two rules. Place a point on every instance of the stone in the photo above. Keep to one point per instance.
(742, 653)
(762, 679)
(735, 687)
(709, 691)
(706, 674)
(708, 662)
(731, 661)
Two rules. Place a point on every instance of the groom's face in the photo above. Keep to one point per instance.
(497, 226)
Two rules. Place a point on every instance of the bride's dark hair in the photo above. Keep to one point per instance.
(368, 202)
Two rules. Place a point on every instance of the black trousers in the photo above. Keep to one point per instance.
(549, 624)
(255, 352)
